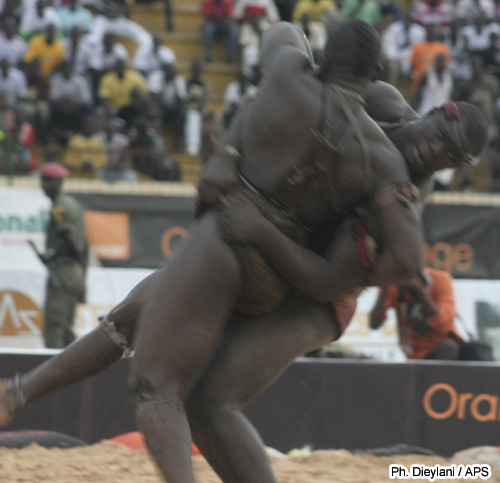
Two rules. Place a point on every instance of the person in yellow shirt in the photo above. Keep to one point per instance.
(115, 87)
(309, 16)
(314, 8)
(47, 49)
(86, 151)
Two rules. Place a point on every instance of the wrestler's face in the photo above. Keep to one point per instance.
(435, 143)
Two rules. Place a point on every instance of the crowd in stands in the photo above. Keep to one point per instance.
(69, 87)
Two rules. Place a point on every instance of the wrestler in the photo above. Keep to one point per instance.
(303, 323)
(147, 387)
(255, 353)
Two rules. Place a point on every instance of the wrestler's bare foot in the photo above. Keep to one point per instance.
(9, 401)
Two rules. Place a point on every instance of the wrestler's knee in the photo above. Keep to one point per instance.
(203, 408)
(118, 333)
(143, 390)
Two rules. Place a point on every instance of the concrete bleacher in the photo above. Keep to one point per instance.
(187, 43)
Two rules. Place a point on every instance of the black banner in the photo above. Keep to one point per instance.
(327, 403)
(155, 225)
(463, 240)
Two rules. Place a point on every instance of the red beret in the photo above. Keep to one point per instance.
(54, 170)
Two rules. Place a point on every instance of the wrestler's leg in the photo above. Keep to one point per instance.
(179, 328)
(85, 357)
(252, 354)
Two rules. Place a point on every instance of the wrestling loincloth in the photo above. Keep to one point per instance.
(262, 289)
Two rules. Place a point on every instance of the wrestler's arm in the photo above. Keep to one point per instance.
(323, 278)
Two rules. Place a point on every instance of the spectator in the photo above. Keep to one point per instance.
(423, 56)
(405, 34)
(74, 15)
(197, 96)
(112, 17)
(432, 12)
(314, 8)
(367, 10)
(35, 21)
(254, 17)
(263, 9)
(12, 46)
(249, 41)
(482, 90)
(47, 49)
(104, 57)
(425, 309)
(285, 9)
(148, 148)
(37, 105)
(470, 9)
(309, 15)
(79, 51)
(211, 135)
(70, 101)
(10, 9)
(169, 89)
(117, 143)
(219, 22)
(65, 257)
(116, 87)
(435, 87)
(86, 151)
(234, 94)
(477, 38)
(137, 108)
(13, 86)
(17, 149)
(149, 57)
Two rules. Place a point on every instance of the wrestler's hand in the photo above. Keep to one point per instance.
(240, 221)
(219, 176)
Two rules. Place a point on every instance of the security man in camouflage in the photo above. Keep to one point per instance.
(65, 258)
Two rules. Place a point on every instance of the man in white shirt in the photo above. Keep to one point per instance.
(405, 34)
(36, 20)
(12, 46)
(169, 88)
(150, 57)
(13, 86)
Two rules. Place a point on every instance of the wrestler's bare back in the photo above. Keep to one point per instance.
(277, 134)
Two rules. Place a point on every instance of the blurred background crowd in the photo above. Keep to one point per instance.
(116, 90)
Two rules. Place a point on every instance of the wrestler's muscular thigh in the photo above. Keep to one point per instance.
(252, 354)
(182, 320)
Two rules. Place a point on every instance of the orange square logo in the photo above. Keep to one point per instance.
(109, 234)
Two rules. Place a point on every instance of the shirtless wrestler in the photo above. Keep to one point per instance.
(177, 372)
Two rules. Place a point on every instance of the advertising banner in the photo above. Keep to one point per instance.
(463, 240)
(327, 404)
(22, 294)
(143, 231)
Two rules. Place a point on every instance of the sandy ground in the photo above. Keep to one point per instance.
(111, 462)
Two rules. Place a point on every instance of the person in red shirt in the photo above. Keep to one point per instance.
(425, 309)
(219, 22)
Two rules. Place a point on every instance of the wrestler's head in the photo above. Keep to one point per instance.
(279, 35)
(449, 136)
(352, 51)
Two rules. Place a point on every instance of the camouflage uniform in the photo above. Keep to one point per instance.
(66, 281)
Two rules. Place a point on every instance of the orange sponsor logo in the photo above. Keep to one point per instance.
(109, 234)
(445, 256)
(169, 237)
(19, 314)
(443, 401)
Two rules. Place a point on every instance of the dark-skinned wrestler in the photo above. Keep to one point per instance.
(109, 354)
